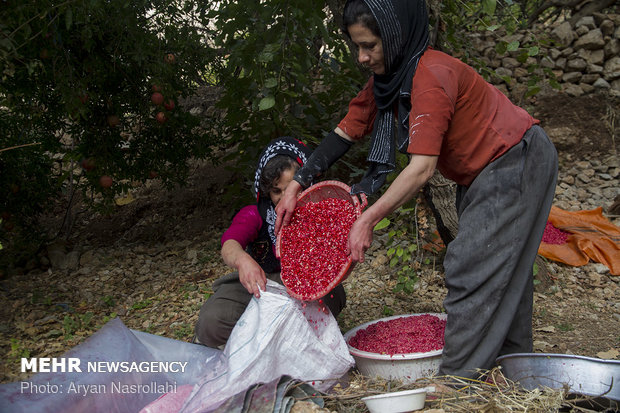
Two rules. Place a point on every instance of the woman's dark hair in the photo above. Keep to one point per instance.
(358, 12)
(273, 170)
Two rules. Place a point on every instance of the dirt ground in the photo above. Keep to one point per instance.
(44, 310)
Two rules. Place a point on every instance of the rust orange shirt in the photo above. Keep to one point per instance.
(455, 114)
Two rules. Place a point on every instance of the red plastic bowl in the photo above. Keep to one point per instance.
(316, 193)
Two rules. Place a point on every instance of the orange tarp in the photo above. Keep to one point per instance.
(592, 237)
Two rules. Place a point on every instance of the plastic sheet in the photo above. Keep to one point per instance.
(276, 336)
(592, 237)
(109, 391)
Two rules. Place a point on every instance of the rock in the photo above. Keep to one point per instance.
(547, 62)
(578, 64)
(611, 70)
(607, 27)
(592, 68)
(591, 40)
(72, 260)
(57, 255)
(571, 77)
(586, 21)
(590, 78)
(601, 83)
(564, 34)
(561, 63)
(580, 31)
(592, 57)
(612, 48)
(503, 72)
(510, 63)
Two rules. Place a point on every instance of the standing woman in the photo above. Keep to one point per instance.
(445, 115)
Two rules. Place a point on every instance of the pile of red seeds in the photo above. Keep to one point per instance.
(553, 235)
(411, 334)
(313, 246)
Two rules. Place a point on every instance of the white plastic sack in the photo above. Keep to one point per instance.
(276, 335)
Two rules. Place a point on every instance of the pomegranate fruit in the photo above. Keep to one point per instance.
(105, 181)
(169, 105)
(170, 58)
(88, 164)
(157, 98)
(161, 117)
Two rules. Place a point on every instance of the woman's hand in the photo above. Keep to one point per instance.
(252, 276)
(405, 186)
(360, 238)
(286, 205)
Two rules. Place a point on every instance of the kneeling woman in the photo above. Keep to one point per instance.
(248, 246)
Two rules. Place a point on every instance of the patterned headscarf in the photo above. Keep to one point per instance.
(285, 145)
(281, 146)
(403, 26)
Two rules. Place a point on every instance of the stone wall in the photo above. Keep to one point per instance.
(584, 58)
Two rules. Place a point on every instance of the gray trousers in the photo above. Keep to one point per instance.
(219, 314)
(489, 265)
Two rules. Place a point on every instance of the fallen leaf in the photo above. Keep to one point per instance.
(541, 345)
(609, 354)
(548, 329)
(125, 200)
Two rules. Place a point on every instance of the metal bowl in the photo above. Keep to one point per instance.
(578, 374)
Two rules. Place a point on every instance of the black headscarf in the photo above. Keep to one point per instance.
(403, 26)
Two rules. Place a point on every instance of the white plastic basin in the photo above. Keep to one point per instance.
(397, 402)
(406, 367)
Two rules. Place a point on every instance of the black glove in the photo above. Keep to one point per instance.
(331, 148)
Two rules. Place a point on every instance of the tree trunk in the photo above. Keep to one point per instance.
(440, 195)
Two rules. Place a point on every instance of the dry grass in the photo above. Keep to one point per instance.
(460, 395)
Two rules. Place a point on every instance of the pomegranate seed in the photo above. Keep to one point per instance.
(413, 334)
(313, 246)
(553, 235)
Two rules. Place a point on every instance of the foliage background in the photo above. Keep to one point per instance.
(77, 78)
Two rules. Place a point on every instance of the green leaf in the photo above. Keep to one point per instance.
(69, 18)
(393, 261)
(409, 285)
(512, 46)
(501, 47)
(488, 6)
(532, 91)
(399, 252)
(533, 51)
(384, 223)
(265, 57)
(266, 103)
(271, 82)
(391, 251)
